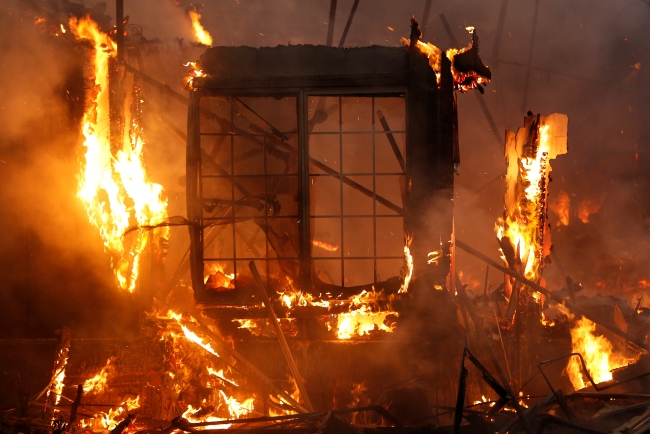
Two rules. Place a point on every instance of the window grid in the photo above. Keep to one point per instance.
(343, 174)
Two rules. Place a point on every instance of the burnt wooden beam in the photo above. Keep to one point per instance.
(293, 367)
(391, 140)
(550, 294)
(330, 23)
(75, 404)
(479, 99)
(478, 326)
(355, 5)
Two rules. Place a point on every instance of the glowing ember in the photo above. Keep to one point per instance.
(113, 184)
(597, 352)
(200, 33)
(325, 246)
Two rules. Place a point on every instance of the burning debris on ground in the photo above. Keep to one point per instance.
(273, 237)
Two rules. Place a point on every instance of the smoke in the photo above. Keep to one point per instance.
(588, 61)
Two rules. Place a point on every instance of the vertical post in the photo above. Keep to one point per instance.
(193, 193)
(119, 27)
(304, 240)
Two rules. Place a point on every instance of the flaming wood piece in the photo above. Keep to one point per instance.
(572, 307)
(481, 334)
(266, 380)
(278, 331)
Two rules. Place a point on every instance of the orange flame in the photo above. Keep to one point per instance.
(561, 207)
(597, 352)
(114, 186)
(200, 33)
(97, 383)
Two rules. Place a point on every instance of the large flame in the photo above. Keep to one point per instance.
(597, 352)
(113, 184)
(200, 33)
(528, 156)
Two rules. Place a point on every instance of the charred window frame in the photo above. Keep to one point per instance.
(198, 232)
(349, 179)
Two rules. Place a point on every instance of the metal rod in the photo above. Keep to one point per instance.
(572, 307)
(278, 331)
(330, 23)
(349, 23)
(495, 361)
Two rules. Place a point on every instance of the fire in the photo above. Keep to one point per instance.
(597, 352)
(325, 246)
(200, 33)
(216, 278)
(97, 383)
(409, 266)
(561, 207)
(113, 183)
(58, 376)
(112, 418)
(586, 207)
(361, 320)
(462, 81)
(528, 156)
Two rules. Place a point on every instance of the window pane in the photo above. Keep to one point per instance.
(326, 239)
(325, 195)
(356, 114)
(216, 116)
(359, 272)
(328, 271)
(248, 155)
(387, 268)
(394, 111)
(390, 188)
(358, 236)
(390, 236)
(215, 155)
(326, 150)
(357, 153)
(250, 240)
(323, 114)
(385, 158)
(355, 202)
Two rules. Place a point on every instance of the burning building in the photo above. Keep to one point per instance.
(320, 290)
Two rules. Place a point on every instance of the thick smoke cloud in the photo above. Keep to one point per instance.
(588, 61)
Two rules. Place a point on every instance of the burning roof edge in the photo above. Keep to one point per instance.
(303, 60)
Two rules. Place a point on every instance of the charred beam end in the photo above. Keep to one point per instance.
(391, 140)
(76, 403)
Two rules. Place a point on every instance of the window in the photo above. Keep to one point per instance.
(250, 177)
(357, 184)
